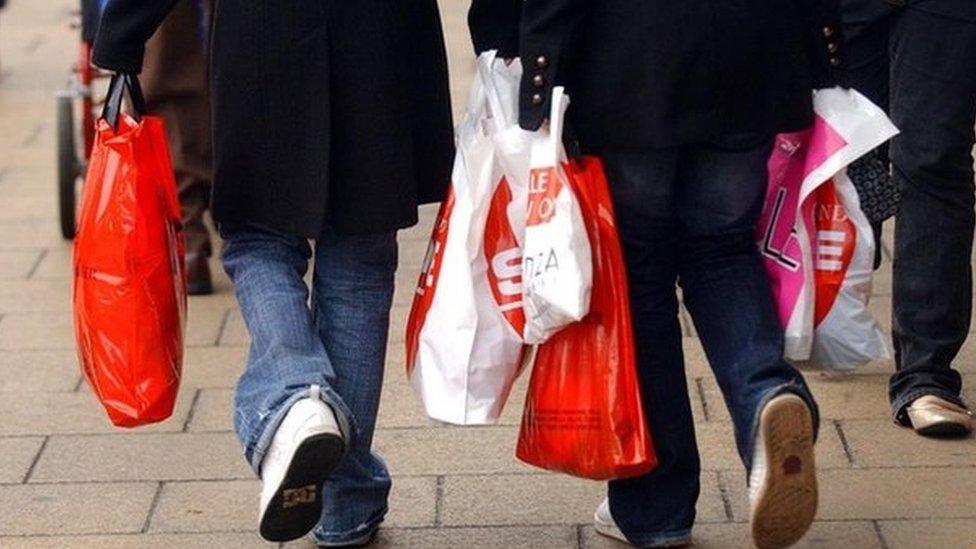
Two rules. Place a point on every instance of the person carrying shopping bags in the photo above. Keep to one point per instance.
(918, 59)
(332, 123)
(682, 100)
(174, 79)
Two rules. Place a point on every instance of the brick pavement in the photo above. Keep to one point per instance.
(69, 479)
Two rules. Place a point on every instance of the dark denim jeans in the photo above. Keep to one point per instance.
(336, 340)
(687, 215)
(922, 65)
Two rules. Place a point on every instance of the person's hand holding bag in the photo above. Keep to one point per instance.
(541, 33)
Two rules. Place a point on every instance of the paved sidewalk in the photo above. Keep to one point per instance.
(67, 478)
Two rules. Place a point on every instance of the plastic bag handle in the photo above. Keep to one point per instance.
(491, 95)
(121, 82)
(501, 118)
(557, 119)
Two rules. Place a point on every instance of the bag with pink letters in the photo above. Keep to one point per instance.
(818, 247)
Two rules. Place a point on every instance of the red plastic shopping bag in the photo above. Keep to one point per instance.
(129, 279)
(583, 414)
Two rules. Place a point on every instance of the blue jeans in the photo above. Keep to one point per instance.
(337, 341)
(922, 66)
(687, 215)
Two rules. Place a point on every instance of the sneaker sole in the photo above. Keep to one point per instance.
(786, 504)
(297, 504)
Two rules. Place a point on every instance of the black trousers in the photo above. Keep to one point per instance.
(687, 216)
(922, 66)
(175, 81)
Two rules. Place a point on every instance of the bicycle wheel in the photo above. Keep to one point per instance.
(68, 167)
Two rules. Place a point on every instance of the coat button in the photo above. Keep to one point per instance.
(538, 81)
(537, 99)
(834, 62)
(832, 47)
(828, 32)
(542, 61)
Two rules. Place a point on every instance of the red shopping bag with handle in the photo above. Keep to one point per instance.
(583, 414)
(129, 281)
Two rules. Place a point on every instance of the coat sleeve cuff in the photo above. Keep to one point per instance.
(506, 41)
(541, 65)
(125, 27)
(118, 59)
(825, 43)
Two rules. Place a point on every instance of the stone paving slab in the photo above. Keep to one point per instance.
(35, 296)
(854, 397)
(542, 499)
(229, 506)
(138, 541)
(18, 263)
(37, 331)
(929, 533)
(47, 413)
(19, 455)
(29, 234)
(854, 534)
(141, 456)
(212, 366)
(39, 371)
(204, 506)
(513, 537)
(906, 493)
(63, 509)
(421, 451)
(877, 444)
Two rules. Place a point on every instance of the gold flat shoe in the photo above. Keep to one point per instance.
(934, 416)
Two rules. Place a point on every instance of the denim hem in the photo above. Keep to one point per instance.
(661, 539)
(328, 396)
(350, 538)
(786, 388)
(901, 403)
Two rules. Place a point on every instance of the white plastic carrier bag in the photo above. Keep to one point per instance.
(464, 333)
(557, 259)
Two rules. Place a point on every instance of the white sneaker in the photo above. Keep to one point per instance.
(783, 480)
(604, 525)
(306, 448)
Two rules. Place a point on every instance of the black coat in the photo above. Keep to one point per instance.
(659, 73)
(330, 111)
(959, 10)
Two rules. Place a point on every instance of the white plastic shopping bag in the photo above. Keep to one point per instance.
(464, 334)
(817, 244)
(557, 265)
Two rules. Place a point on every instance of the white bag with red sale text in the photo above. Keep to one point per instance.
(464, 333)
(557, 268)
(818, 246)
